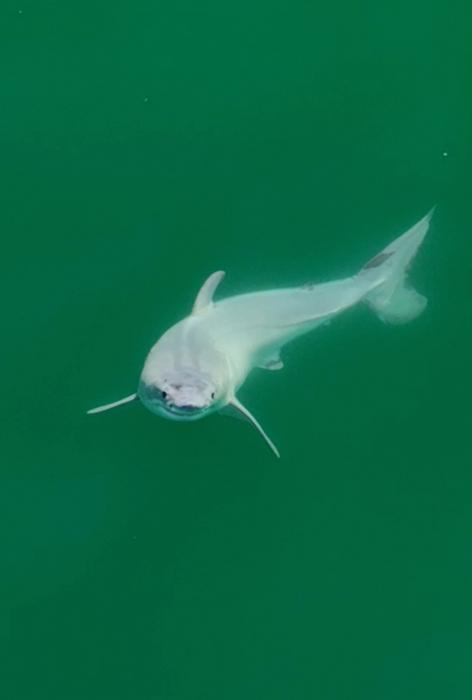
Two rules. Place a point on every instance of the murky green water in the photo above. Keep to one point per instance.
(144, 146)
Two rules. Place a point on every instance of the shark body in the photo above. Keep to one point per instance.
(198, 365)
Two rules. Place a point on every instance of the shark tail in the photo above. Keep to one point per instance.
(392, 298)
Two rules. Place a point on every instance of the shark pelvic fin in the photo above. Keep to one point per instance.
(205, 295)
(272, 363)
(106, 407)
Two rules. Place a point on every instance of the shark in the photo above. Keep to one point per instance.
(198, 365)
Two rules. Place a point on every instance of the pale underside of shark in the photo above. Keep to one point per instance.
(198, 365)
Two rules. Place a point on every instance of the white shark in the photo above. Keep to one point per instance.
(198, 365)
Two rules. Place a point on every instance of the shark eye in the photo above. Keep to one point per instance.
(164, 394)
(212, 394)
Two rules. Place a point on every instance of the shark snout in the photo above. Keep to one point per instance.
(181, 395)
(187, 397)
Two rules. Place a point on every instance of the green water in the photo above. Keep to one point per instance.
(143, 146)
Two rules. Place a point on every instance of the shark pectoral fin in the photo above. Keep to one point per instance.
(106, 407)
(243, 412)
(205, 295)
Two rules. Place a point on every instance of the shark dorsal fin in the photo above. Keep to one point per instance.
(205, 295)
(243, 411)
(106, 407)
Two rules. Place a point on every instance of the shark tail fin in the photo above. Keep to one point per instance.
(392, 298)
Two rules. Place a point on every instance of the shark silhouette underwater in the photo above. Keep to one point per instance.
(197, 366)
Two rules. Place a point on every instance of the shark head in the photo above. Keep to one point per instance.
(206, 384)
(181, 395)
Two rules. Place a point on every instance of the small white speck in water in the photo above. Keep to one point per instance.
(146, 99)
(445, 154)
